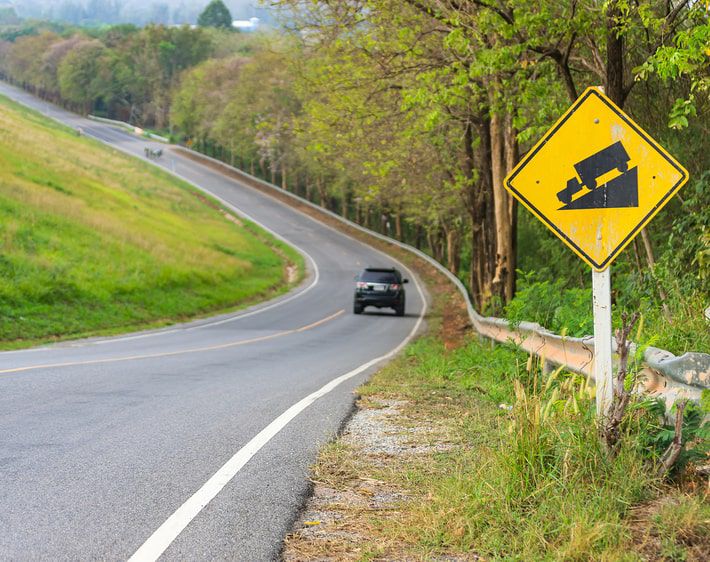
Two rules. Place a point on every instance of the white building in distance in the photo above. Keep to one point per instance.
(252, 24)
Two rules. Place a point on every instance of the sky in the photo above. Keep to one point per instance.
(133, 11)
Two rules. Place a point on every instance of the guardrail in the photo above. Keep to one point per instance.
(663, 374)
(137, 130)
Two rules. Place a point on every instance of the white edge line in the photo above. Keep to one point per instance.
(163, 537)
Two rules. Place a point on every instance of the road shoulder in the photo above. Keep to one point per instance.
(424, 470)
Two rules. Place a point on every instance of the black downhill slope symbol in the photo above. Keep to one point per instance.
(622, 191)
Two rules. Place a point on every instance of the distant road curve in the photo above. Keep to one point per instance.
(193, 441)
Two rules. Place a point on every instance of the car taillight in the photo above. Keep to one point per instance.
(394, 287)
(361, 285)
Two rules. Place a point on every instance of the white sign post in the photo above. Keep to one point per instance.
(601, 309)
(603, 375)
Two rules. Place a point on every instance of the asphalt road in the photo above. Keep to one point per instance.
(185, 442)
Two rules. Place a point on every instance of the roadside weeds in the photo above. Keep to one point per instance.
(426, 470)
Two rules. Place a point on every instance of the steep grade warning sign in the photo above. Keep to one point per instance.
(596, 179)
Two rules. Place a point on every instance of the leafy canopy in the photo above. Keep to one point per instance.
(216, 14)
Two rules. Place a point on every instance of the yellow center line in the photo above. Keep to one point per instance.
(172, 353)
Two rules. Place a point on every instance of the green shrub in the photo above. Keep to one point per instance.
(553, 305)
(648, 420)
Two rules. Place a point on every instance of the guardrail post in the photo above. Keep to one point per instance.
(601, 299)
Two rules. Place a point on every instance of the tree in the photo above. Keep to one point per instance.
(25, 58)
(404, 75)
(202, 96)
(216, 14)
(51, 60)
(83, 75)
(161, 54)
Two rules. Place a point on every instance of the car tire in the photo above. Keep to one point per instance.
(357, 308)
(399, 311)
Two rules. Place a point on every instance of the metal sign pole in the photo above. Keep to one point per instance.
(601, 300)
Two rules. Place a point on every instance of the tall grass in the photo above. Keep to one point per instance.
(550, 489)
(92, 241)
(532, 480)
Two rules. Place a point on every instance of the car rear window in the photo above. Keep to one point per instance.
(378, 277)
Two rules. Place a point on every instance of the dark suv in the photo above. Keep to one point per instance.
(380, 287)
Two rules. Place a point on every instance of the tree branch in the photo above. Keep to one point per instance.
(670, 456)
(670, 18)
(610, 432)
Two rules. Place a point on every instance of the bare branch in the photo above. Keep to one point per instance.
(670, 18)
(670, 456)
(610, 429)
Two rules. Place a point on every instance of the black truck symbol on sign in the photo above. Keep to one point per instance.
(621, 191)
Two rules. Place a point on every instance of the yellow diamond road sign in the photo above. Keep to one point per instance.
(596, 179)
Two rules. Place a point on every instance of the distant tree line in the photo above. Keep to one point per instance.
(407, 115)
(125, 72)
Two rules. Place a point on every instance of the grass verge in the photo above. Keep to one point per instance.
(461, 450)
(94, 242)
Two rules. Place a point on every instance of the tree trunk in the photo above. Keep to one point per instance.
(614, 54)
(440, 242)
(344, 202)
(321, 192)
(398, 226)
(432, 236)
(419, 236)
(284, 183)
(511, 159)
(309, 188)
(453, 254)
(481, 212)
(501, 284)
(475, 281)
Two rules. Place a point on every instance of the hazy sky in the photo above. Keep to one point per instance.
(136, 11)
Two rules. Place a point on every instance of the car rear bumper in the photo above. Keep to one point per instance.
(379, 300)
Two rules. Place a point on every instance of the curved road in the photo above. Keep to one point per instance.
(191, 442)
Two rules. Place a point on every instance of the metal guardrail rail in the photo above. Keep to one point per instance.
(128, 126)
(663, 374)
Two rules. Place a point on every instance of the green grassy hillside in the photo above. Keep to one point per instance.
(92, 241)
